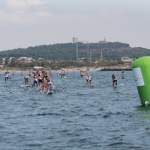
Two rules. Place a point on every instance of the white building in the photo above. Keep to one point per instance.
(10, 59)
(37, 67)
(22, 58)
(26, 59)
(3, 59)
(30, 59)
(126, 59)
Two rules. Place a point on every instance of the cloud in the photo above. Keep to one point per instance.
(105, 8)
(15, 3)
(34, 2)
(24, 3)
(23, 12)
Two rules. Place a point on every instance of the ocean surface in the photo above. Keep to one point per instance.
(75, 117)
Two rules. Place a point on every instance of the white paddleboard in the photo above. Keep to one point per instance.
(92, 85)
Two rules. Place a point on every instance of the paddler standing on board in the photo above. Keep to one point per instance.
(26, 81)
(49, 84)
(123, 74)
(114, 79)
(22, 73)
(81, 74)
(89, 80)
(6, 76)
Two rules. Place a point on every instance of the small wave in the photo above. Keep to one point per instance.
(45, 114)
(106, 116)
(89, 115)
(135, 148)
(1, 126)
(117, 143)
(34, 145)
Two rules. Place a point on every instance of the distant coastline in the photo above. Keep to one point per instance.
(115, 69)
(93, 68)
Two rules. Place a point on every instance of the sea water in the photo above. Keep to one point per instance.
(75, 117)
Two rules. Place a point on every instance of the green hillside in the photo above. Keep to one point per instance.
(67, 51)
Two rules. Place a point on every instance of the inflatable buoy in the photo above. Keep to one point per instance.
(141, 71)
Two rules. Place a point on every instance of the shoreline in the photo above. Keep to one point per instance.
(99, 68)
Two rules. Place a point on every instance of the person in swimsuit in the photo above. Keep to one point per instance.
(62, 74)
(13, 73)
(35, 80)
(123, 74)
(90, 80)
(22, 74)
(6, 76)
(87, 80)
(81, 74)
(40, 76)
(44, 83)
(26, 79)
(9, 77)
(114, 79)
(49, 84)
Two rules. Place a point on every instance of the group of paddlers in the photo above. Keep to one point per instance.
(40, 79)
(43, 81)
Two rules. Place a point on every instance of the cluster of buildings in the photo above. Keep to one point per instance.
(30, 59)
(126, 59)
(20, 59)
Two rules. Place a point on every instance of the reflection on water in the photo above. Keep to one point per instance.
(75, 116)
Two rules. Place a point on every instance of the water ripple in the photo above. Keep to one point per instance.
(75, 117)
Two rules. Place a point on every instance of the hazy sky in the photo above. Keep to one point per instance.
(25, 23)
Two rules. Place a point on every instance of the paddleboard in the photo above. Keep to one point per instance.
(92, 85)
(119, 85)
(25, 85)
(115, 86)
(51, 92)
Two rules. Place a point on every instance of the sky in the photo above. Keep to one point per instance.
(25, 23)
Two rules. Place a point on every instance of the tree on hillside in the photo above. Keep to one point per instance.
(6, 61)
(12, 62)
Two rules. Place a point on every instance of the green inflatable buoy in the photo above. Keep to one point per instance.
(141, 70)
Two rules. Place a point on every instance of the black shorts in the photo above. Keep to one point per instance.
(115, 81)
(39, 80)
(6, 78)
(35, 81)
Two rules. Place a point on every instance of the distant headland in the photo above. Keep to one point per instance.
(64, 55)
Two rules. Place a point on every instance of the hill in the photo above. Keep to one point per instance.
(67, 51)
